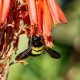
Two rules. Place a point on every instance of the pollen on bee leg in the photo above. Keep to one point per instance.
(22, 62)
(19, 61)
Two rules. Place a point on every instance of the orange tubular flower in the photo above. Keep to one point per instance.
(42, 12)
(40, 16)
(47, 25)
(0, 10)
(32, 11)
(60, 13)
(53, 11)
(47, 28)
(4, 9)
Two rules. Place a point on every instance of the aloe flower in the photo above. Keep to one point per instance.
(42, 13)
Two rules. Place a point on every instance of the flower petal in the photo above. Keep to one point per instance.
(53, 11)
(32, 11)
(5, 9)
(0, 10)
(60, 13)
(32, 30)
(40, 16)
(47, 20)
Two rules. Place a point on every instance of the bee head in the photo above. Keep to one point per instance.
(36, 41)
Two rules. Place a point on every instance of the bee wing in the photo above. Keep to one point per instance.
(52, 53)
(23, 54)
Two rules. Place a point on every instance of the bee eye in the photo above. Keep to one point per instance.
(35, 38)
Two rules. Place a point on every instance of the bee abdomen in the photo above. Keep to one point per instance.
(37, 50)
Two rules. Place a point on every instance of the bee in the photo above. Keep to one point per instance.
(36, 47)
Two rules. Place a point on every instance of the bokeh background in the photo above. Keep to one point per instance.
(67, 43)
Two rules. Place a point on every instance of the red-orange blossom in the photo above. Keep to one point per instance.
(42, 13)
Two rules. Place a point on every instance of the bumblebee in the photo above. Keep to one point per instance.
(36, 47)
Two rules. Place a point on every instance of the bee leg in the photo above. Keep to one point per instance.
(15, 52)
(23, 55)
(12, 63)
(20, 61)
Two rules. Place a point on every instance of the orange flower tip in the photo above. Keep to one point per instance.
(57, 23)
(65, 22)
(49, 44)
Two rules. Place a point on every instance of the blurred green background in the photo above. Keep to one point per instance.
(66, 41)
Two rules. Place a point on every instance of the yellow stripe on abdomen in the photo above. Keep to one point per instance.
(37, 50)
(36, 53)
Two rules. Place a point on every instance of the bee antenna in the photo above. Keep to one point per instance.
(12, 63)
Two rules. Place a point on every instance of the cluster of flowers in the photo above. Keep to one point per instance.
(37, 16)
